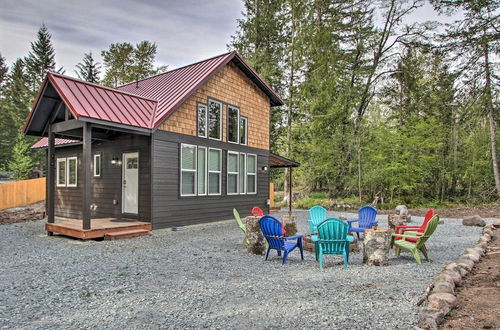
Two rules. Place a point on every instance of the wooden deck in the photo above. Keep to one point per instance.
(99, 227)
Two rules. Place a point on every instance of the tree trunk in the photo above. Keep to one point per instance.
(491, 117)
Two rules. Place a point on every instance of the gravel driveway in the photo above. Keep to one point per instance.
(203, 277)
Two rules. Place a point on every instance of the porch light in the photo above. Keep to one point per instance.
(264, 168)
(116, 161)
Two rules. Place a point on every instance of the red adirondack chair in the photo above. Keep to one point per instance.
(257, 212)
(418, 229)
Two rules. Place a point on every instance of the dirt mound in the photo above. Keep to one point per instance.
(31, 212)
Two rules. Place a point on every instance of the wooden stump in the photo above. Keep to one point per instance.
(354, 246)
(307, 243)
(376, 247)
(256, 241)
(394, 220)
(290, 224)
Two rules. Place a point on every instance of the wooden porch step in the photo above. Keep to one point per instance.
(131, 233)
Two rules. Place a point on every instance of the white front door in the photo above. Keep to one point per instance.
(130, 182)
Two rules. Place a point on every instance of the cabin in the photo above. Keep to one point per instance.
(178, 148)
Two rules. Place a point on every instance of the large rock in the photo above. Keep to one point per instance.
(443, 287)
(429, 318)
(442, 300)
(401, 210)
(474, 220)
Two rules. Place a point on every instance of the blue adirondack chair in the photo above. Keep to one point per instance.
(317, 214)
(366, 220)
(273, 232)
(333, 239)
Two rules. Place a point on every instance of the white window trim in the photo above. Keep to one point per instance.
(243, 190)
(237, 124)
(246, 130)
(206, 171)
(220, 173)
(233, 173)
(100, 165)
(67, 172)
(221, 119)
(206, 119)
(189, 170)
(254, 174)
(58, 161)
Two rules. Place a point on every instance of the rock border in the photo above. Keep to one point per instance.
(440, 295)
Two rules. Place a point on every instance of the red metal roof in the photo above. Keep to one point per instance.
(98, 102)
(172, 88)
(44, 142)
(149, 104)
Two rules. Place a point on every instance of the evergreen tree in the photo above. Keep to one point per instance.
(473, 42)
(40, 59)
(22, 163)
(15, 105)
(88, 69)
(125, 63)
(3, 74)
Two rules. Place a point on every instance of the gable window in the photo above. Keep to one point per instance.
(202, 171)
(251, 174)
(61, 172)
(232, 173)
(202, 120)
(72, 171)
(214, 171)
(214, 120)
(97, 165)
(242, 169)
(233, 117)
(243, 130)
(188, 170)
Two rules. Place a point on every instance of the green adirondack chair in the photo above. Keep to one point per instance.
(416, 242)
(241, 225)
(333, 239)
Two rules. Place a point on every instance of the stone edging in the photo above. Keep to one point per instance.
(440, 295)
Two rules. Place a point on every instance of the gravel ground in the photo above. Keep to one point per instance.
(202, 277)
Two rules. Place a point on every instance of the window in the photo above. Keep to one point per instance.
(61, 172)
(214, 120)
(97, 165)
(188, 170)
(251, 174)
(72, 171)
(232, 173)
(243, 130)
(202, 120)
(202, 170)
(242, 168)
(214, 171)
(233, 117)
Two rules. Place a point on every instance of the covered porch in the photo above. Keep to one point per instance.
(103, 132)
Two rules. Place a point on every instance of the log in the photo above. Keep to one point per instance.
(354, 246)
(376, 247)
(256, 241)
(307, 243)
(424, 296)
(394, 220)
(290, 221)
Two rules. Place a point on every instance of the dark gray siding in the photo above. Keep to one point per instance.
(169, 209)
(107, 188)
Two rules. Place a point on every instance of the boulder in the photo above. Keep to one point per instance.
(479, 251)
(442, 300)
(443, 277)
(429, 318)
(496, 224)
(481, 245)
(455, 275)
(401, 210)
(443, 287)
(474, 220)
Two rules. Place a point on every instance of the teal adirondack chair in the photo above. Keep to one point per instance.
(333, 239)
(415, 242)
(317, 214)
(241, 225)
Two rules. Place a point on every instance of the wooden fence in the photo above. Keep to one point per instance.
(20, 193)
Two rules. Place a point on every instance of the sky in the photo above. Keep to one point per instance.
(185, 31)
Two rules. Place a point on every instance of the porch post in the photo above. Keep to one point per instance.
(50, 199)
(290, 191)
(86, 173)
